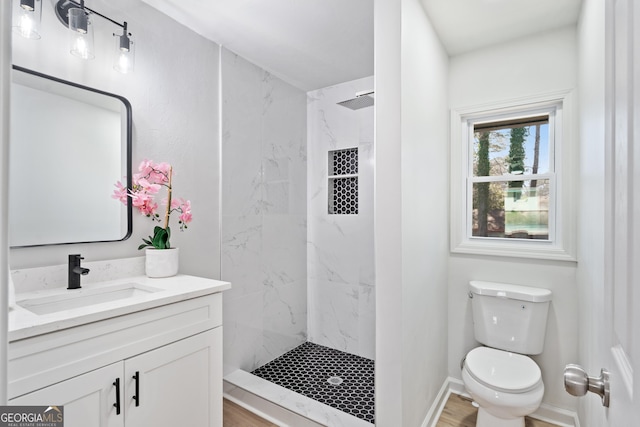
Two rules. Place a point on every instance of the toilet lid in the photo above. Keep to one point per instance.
(502, 370)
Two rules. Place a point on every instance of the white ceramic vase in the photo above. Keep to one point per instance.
(161, 262)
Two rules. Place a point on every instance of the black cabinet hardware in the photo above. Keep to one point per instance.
(117, 404)
(136, 396)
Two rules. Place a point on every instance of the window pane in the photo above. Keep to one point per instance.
(511, 209)
(500, 149)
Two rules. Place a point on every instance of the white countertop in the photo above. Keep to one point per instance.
(25, 324)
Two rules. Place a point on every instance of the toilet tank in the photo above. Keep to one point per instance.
(510, 317)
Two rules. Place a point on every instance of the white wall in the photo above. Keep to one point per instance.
(340, 271)
(174, 93)
(425, 212)
(5, 67)
(590, 274)
(531, 66)
(411, 213)
(264, 214)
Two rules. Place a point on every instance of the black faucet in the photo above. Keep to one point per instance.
(75, 270)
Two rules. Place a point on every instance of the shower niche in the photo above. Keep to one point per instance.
(343, 182)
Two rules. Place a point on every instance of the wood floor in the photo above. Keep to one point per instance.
(236, 416)
(458, 412)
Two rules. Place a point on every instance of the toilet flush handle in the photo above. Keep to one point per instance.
(578, 383)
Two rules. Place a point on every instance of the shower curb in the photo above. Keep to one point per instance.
(281, 406)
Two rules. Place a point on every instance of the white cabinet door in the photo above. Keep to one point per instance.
(179, 384)
(88, 399)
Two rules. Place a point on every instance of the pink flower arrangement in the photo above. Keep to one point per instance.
(147, 183)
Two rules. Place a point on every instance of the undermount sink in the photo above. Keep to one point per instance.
(77, 298)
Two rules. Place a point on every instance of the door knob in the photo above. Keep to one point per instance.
(578, 383)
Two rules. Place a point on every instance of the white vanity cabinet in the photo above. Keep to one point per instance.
(174, 385)
(160, 367)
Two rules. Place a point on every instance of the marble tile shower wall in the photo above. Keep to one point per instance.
(264, 214)
(340, 260)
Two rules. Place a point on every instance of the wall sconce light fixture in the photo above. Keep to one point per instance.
(26, 18)
(78, 18)
(124, 52)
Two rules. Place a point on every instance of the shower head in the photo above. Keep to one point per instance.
(362, 100)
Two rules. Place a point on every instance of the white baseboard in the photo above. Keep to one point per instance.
(438, 405)
(561, 417)
(457, 386)
(548, 413)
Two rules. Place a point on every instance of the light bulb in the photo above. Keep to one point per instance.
(80, 48)
(26, 18)
(26, 25)
(80, 34)
(124, 52)
(123, 62)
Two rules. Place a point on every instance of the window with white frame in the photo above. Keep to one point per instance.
(511, 176)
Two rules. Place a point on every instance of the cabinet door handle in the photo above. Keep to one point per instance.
(136, 396)
(117, 404)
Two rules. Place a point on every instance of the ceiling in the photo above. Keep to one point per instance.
(318, 43)
(465, 25)
(309, 43)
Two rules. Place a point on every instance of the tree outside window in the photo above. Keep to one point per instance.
(510, 180)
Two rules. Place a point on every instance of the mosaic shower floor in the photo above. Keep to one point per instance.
(341, 380)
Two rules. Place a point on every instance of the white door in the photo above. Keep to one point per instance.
(621, 343)
(88, 399)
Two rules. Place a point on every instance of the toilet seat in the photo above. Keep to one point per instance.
(503, 371)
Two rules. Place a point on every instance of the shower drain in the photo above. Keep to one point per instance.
(335, 380)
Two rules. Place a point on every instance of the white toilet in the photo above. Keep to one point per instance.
(511, 321)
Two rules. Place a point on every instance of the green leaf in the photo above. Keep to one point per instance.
(160, 238)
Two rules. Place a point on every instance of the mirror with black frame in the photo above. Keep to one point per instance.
(69, 144)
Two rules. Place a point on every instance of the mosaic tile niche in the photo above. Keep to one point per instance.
(343, 183)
